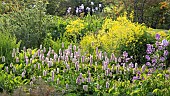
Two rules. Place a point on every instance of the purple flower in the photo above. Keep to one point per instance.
(78, 80)
(39, 66)
(138, 72)
(148, 63)
(143, 68)
(160, 47)
(107, 84)
(147, 57)
(165, 52)
(44, 72)
(157, 37)
(167, 76)
(107, 72)
(154, 60)
(80, 75)
(11, 65)
(135, 78)
(157, 43)
(89, 79)
(62, 44)
(131, 65)
(127, 59)
(74, 47)
(125, 54)
(44, 50)
(119, 59)
(52, 75)
(162, 59)
(165, 43)
(69, 10)
(68, 66)
(149, 49)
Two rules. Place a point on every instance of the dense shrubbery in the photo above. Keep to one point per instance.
(118, 36)
(30, 26)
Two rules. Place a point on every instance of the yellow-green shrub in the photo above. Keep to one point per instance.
(74, 29)
(75, 26)
(121, 35)
(89, 43)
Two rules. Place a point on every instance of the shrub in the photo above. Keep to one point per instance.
(29, 25)
(57, 27)
(74, 29)
(122, 35)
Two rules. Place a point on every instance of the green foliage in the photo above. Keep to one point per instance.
(157, 15)
(57, 26)
(29, 25)
(7, 43)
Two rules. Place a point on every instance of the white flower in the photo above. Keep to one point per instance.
(3, 3)
(100, 5)
(69, 8)
(92, 3)
(88, 9)
(82, 7)
(92, 10)
(77, 10)
(96, 8)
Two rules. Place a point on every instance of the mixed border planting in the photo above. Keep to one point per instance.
(84, 54)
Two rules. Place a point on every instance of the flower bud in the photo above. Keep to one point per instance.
(67, 86)
(7, 69)
(52, 75)
(85, 87)
(23, 74)
(107, 84)
(31, 83)
(11, 65)
(3, 58)
(44, 72)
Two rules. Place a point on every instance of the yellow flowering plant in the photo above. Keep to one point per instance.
(75, 26)
(73, 30)
(120, 35)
